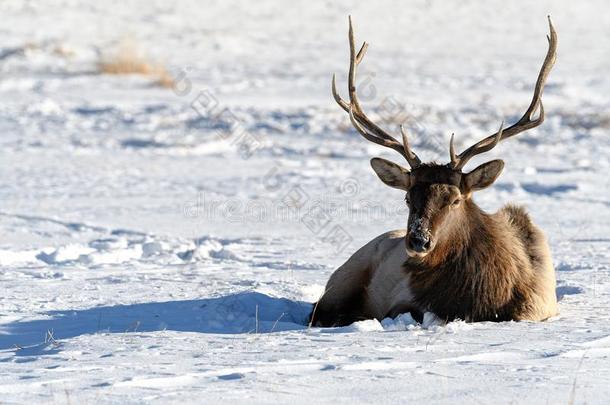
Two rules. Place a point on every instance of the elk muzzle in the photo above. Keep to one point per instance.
(419, 243)
(419, 238)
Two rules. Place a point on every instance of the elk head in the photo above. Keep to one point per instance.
(437, 195)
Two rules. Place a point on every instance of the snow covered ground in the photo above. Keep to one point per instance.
(156, 243)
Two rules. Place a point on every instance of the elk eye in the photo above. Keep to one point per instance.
(456, 202)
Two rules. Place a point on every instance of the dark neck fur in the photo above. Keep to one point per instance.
(462, 277)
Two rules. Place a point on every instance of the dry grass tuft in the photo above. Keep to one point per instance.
(63, 51)
(129, 60)
(165, 80)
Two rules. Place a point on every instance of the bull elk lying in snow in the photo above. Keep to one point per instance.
(453, 260)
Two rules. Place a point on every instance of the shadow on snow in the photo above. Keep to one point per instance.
(247, 312)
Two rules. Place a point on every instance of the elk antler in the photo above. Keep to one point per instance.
(368, 129)
(526, 122)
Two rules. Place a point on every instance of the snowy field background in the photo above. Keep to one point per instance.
(152, 237)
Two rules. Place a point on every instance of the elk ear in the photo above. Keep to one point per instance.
(484, 175)
(391, 174)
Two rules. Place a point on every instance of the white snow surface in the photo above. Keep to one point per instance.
(148, 255)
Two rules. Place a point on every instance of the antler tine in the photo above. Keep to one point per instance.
(525, 122)
(361, 52)
(354, 61)
(342, 103)
(547, 65)
(452, 155)
(367, 128)
(409, 154)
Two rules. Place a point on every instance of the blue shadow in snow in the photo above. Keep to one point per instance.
(564, 290)
(542, 189)
(246, 312)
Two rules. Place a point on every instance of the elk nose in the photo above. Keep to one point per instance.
(418, 243)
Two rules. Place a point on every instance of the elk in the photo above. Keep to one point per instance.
(453, 260)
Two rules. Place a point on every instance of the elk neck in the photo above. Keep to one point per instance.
(448, 279)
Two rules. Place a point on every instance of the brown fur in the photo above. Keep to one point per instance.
(482, 273)
(352, 308)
